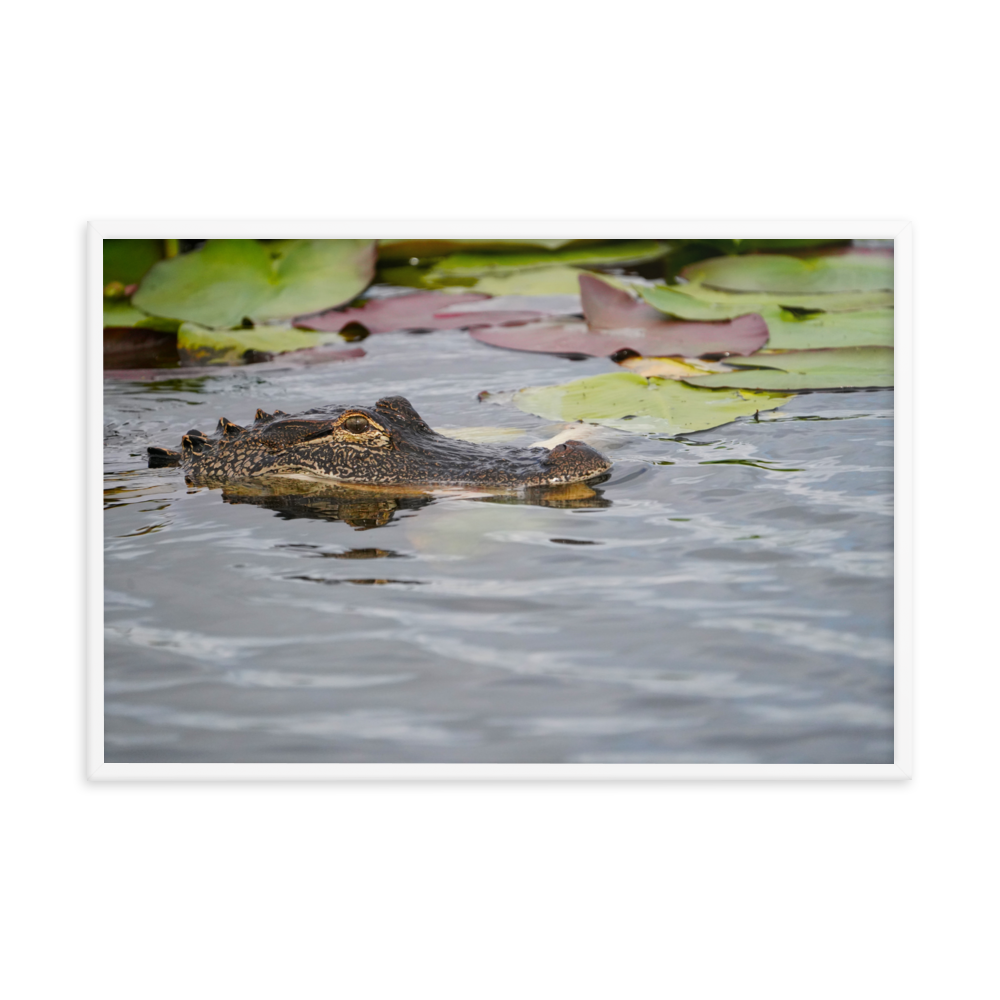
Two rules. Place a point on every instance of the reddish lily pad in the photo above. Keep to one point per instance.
(400, 312)
(504, 309)
(610, 309)
(743, 335)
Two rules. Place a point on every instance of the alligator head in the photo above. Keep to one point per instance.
(387, 444)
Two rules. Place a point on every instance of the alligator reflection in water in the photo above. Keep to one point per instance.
(570, 495)
(375, 507)
(291, 499)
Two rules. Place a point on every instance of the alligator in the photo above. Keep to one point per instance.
(387, 444)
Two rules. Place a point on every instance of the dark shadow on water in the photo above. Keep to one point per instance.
(314, 552)
(570, 495)
(364, 509)
(291, 500)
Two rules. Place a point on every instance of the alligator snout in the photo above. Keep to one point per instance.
(573, 461)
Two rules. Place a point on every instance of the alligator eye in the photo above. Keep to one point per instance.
(356, 425)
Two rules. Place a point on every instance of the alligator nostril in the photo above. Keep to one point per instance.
(571, 445)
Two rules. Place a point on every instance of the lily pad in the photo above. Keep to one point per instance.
(120, 313)
(398, 250)
(604, 254)
(792, 328)
(645, 406)
(794, 371)
(848, 272)
(677, 368)
(401, 312)
(227, 280)
(561, 280)
(812, 302)
(481, 435)
(204, 345)
(863, 328)
(675, 302)
(612, 311)
(532, 306)
(739, 336)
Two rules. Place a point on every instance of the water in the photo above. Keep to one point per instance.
(725, 598)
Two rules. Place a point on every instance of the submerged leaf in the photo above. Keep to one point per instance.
(739, 336)
(828, 368)
(401, 312)
(481, 435)
(227, 280)
(550, 305)
(847, 272)
(633, 403)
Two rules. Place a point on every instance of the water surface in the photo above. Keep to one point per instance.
(723, 598)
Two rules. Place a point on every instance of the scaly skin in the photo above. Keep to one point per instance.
(384, 445)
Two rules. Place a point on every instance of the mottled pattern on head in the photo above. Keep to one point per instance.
(388, 444)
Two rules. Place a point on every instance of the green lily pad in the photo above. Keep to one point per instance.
(532, 281)
(227, 280)
(766, 246)
(555, 280)
(866, 312)
(863, 328)
(120, 313)
(468, 264)
(674, 302)
(848, 272)
(792, 371)
(398, 250)
(203, 345)
(633, 403)
(759, 301)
